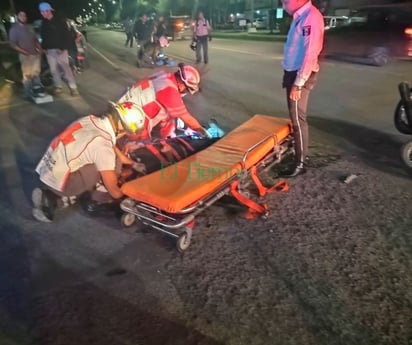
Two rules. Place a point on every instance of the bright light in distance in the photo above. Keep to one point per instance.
(408, 32)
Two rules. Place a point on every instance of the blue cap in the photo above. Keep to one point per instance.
(45, 6)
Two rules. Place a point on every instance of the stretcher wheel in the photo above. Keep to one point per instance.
(128, 219)
(183, 242)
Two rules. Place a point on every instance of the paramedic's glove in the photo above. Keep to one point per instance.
(131, 146)
(210, 38)
(203, 132)
(139, 167)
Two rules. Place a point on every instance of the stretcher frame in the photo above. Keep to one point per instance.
(179, 224)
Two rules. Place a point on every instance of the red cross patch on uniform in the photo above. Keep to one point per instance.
(306, 30)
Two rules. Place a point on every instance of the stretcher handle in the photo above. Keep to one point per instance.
(250, 149)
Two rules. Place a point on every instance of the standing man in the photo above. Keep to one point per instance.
(201, 32)
(128, 25)
(144, 29)
(300, 63)
(23, 39)
(56, 40)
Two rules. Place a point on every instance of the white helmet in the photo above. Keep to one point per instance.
(131, 115)
(190, 77)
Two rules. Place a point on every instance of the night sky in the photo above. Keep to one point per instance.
(69, 8)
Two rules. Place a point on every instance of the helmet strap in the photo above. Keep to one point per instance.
(116, 123)
(182, 70)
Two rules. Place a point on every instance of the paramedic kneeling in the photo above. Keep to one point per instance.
(83, 159)
(160, 99)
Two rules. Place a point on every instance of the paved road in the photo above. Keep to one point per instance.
(54, 269)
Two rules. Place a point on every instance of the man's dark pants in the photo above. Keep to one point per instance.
(202, 45)
(298, 113)
(129, 39)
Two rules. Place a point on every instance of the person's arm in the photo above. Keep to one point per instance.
(110, 181)
(194, 28)
(37, 45)
(44, 36)
(171, 100)
(313, 42)
(209, 27)
(19, 49)
(123, 158)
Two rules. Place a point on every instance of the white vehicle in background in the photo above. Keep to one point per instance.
(334, 21)
(260, 23)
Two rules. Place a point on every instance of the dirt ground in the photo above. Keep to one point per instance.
(330, 265)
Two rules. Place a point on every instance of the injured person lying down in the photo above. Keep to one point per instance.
(159, 154)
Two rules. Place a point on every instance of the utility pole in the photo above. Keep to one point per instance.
(252, 8)
(273, 14)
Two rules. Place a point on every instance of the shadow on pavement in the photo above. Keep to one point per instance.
(15, 288)
(59, 306)
(351, 59)
(377, 149)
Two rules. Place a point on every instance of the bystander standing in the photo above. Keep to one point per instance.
(56, 41)
(23, 39)
(201, 32)
(300, 63)
(144, 30)
(128, 26)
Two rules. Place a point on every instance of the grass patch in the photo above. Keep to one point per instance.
(250, 36)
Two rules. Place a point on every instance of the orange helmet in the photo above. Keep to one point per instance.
(131, 115)
(190, 77)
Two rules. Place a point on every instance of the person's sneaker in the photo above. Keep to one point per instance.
(37, 212)
(57, 91)
(74, 92)
(293, 172)
(95, 208)
(40, 216)
(38, 91)
(45, 203)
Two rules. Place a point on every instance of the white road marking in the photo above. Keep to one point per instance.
(272, 56)
(110, 62)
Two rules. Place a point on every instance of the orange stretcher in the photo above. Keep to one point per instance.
(169, 199)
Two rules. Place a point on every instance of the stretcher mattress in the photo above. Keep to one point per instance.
(176, 187)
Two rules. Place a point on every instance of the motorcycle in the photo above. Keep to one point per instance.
(403, 120)
(144, 57)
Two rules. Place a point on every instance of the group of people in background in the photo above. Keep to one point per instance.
(148, 34)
